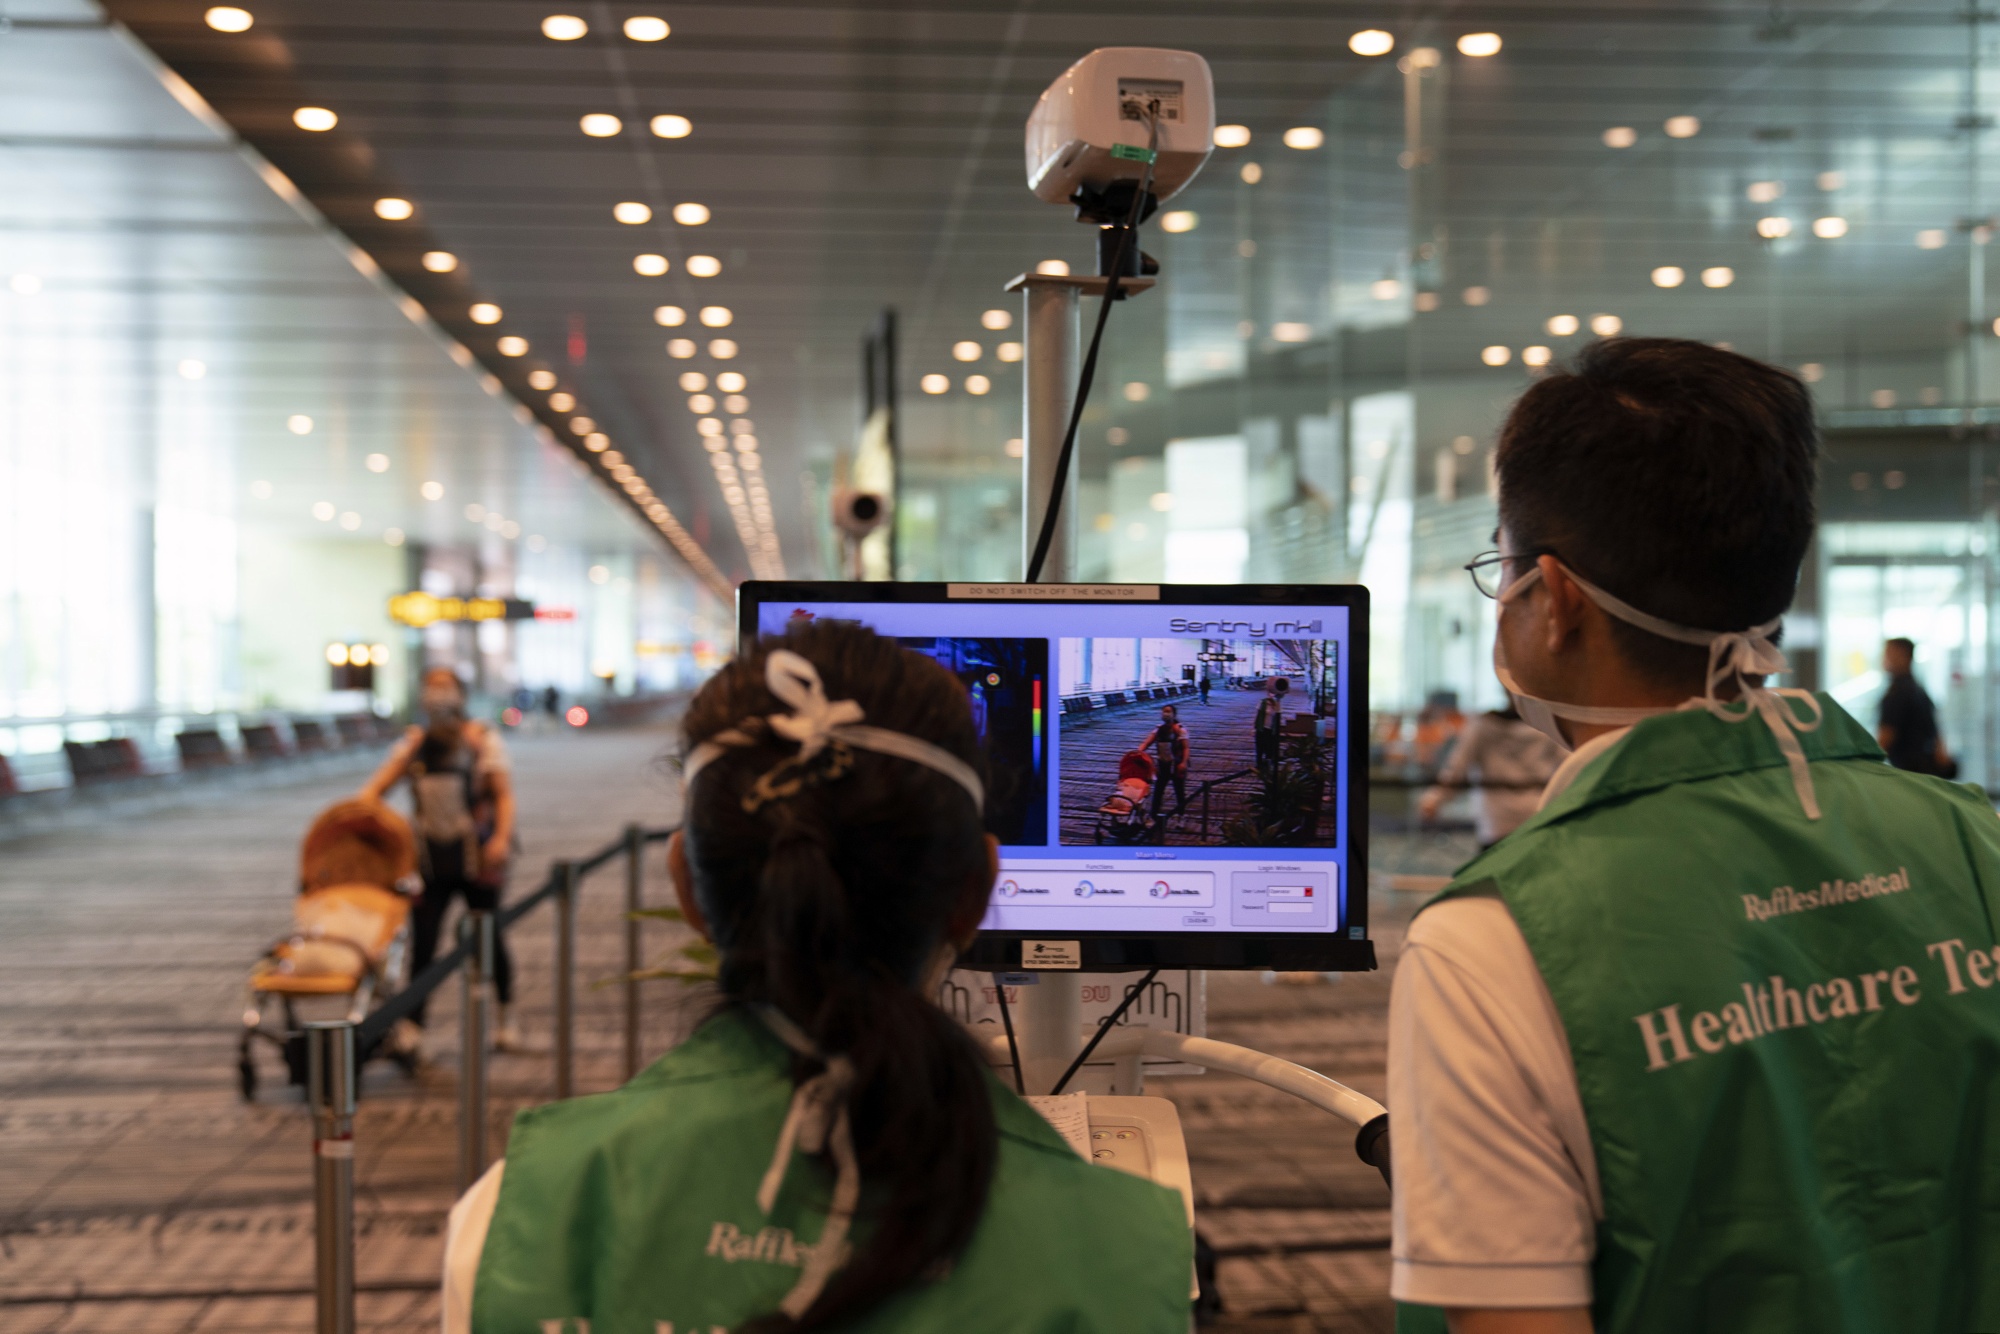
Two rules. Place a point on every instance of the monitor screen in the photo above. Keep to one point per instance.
(1178, 772)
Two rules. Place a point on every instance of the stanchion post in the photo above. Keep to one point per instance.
(635, 877)
(477, 928)
(565, 1043)
(330, 1088)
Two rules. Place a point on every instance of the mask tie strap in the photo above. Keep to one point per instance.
(1738, 657)
(817, 1121)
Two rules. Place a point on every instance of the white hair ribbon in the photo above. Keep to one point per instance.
(1734, 656)
(816, 722)
(817, 1121)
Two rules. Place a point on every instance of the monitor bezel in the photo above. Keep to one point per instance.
(1347, 950)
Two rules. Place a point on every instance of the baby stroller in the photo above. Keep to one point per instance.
(1124, 817)
(349, 935)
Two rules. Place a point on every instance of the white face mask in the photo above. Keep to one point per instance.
(1739, 656)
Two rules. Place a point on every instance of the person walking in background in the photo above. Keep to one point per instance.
(1508, 764)
(1205, 683)
(1270, 722)
(462, 791)
(1907, 725)
(1169, 746)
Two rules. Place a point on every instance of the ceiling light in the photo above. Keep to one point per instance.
(967, 351)
(1829, 229)
(1476, 296)
(934, 384)
(376, 463)
(731, 382)
(1536, 355)
(631, 213)
(745, 442)
(440, 261)
(316, 119)
(1251, 173)
(561, 402)
(1291, 331)
(1180, 220)
(996, 319)
(645, 28)
(323, 511)
(1719, 276)
(682, 348)
(703, 266)
(1932, 238)
(513, 346)
(1425, 301)
(1668, 275)
(228, 18)
(1480, 45)
(1682, 127)
(701, 404)
(978, 384)
(1764, 192)
(393, 536)
(432, 490)
(1496, 355)
(1605, 326)
(1232, 136)
(690, 215)
(1620, 136)
(510, 530)
(1423, 57)
(708, 426)
(350, 521)
(1562, 326)
(1832, 180)
(394, 210)
(564, 27)
(1371, 42)
(649, 266)
(1138, 391)
(582, 425)
(613, 459)
(737, 404)
(299, 424)
(1774, 228)
(722, 349)
(672, 127)
(1304, 137)
(541, 380)
(596, 442)
(484, 312)
(716, 317)
(693, 381)
(601, 125)
(670, 317)
(1385, 289)
(1008, 352)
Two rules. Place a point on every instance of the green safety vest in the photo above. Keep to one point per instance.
(1786, 1032)
(635, 1212)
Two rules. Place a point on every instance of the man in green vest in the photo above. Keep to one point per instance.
(1713, 1041)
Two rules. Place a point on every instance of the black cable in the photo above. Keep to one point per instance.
(1126, 238)
(1110, 1021)
(1013, 1047)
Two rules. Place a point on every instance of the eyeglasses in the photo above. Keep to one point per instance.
(1489, 570)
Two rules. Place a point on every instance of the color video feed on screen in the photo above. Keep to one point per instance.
(1007, 682)
(1199, 742)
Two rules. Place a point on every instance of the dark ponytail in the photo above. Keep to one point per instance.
(831, 904)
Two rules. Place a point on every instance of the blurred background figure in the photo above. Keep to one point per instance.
(462, 800)
(1506, 762)
(1438, 725)
(1907, 726)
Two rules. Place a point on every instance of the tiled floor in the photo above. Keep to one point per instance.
(138, 1193)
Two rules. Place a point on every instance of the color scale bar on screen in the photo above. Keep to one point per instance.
(1035, 714)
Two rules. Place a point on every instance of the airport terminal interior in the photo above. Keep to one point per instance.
(343, 343)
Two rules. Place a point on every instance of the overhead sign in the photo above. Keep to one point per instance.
(420, 609)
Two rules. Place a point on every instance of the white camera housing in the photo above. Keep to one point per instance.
(1097, 106)
(859, 513)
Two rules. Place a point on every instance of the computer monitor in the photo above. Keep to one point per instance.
(1178, 771)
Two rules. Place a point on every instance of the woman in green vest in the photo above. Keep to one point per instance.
(828, 1150)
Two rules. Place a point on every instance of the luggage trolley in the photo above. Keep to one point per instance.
(349, 940)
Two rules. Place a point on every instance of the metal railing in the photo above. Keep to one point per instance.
(336, 1049)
